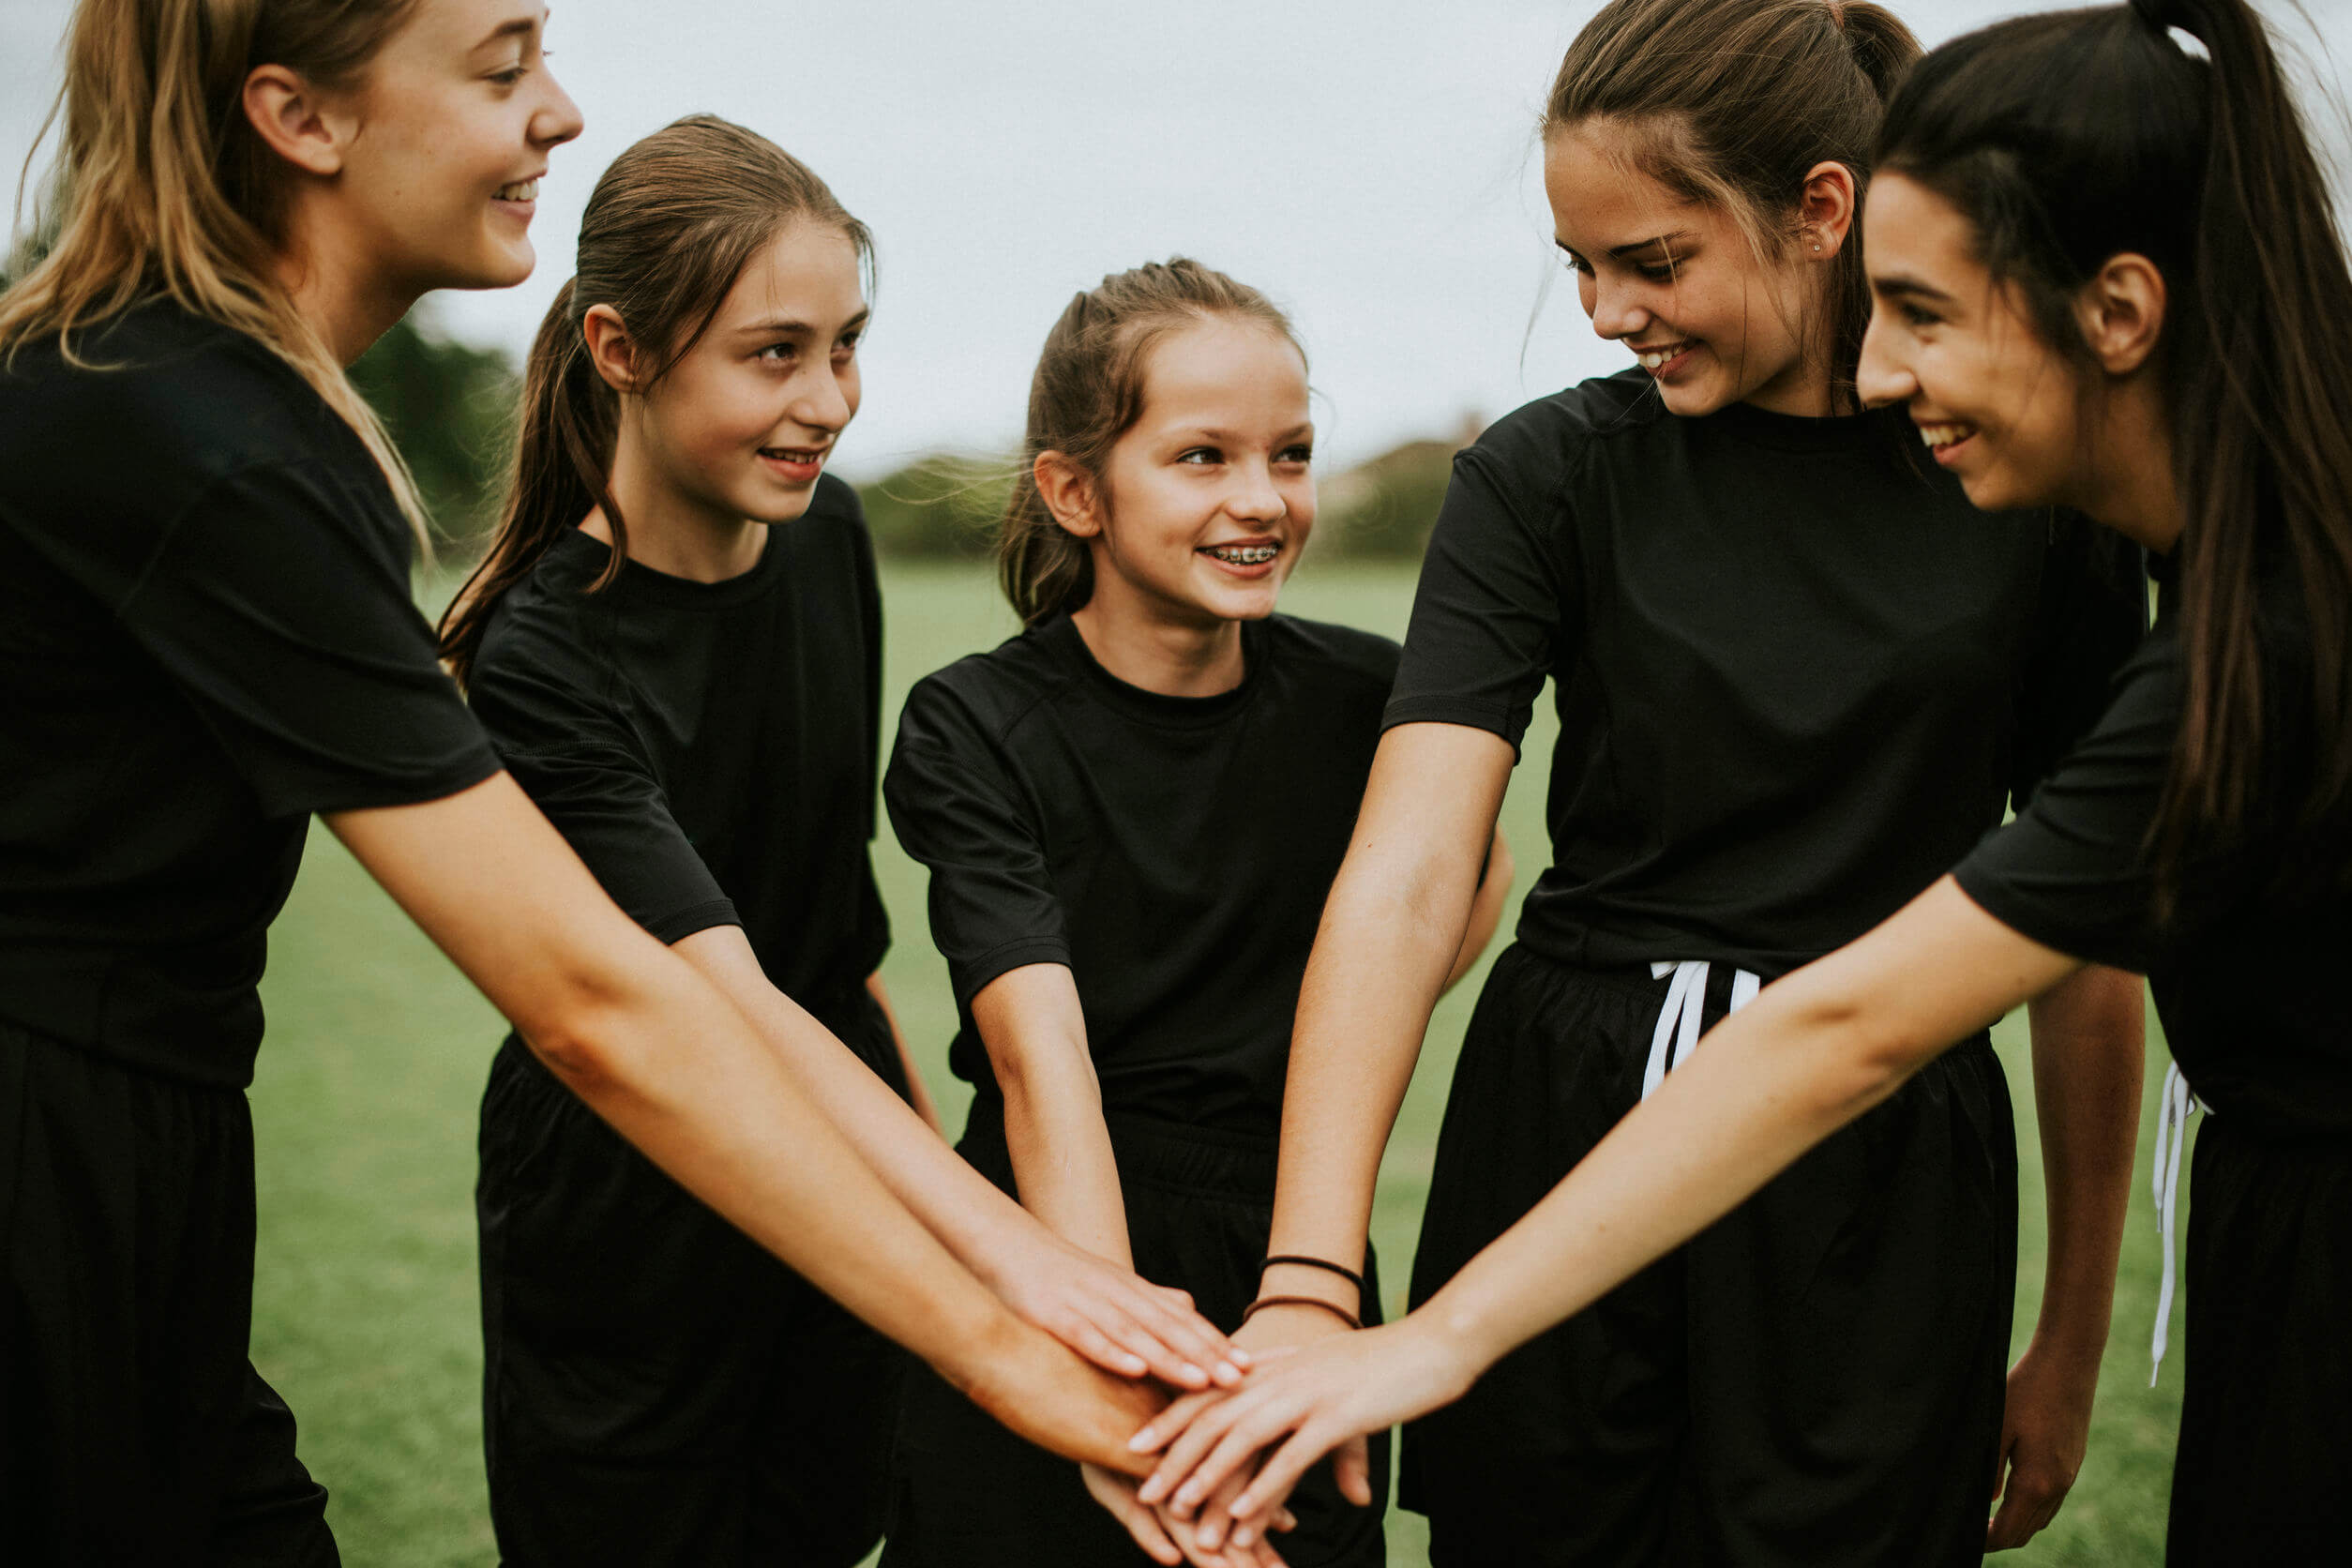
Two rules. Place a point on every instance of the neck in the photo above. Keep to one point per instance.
(1171, 654)
(2134, 488)
(670, 533)
(347, 302)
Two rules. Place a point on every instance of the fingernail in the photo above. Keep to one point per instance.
(1227, 1373)
(1238, 1356)
(1143, 1442)
(1192, 1373)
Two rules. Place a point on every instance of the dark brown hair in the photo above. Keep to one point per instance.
(1087, 393)
(1731, 103)
(2067, 139)
(668, 228)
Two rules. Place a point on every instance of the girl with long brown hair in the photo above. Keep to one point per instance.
(1797, 676)
(204, 578)
(675, 643)
(1130, 812)
(2109, 276)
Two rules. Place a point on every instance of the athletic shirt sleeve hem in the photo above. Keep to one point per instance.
(710, 914)
(975, 976)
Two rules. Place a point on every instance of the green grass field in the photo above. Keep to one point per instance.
(364, 1309)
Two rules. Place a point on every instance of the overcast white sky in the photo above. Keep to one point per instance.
(1367, 162)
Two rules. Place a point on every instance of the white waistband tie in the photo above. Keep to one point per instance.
(1685, 1004)
(2174, 1102)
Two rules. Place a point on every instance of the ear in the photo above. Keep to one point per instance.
(1825, 212)
(1068, 492)
(610, 349)
(2122, 313)
(293, 120)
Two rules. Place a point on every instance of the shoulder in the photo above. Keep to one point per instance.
(1552, 433)
(1345, 656)
(986, 695)
(542, 639)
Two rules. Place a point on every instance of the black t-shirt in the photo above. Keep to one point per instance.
(1174, 852)
(709, 749)
(1798, 675)
(205, 635)
(2254, 990)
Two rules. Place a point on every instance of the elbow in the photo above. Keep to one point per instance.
(578, 1028)
(1860, 1054)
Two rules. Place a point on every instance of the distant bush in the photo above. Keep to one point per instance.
(1385, 509)
(451, 407)
(942, 509)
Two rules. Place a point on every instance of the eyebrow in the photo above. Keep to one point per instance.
(1203, 432)
(521, 26)
(1636, 248)
(1902, 285)
(785, 326)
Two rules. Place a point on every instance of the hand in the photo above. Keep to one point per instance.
(2045, 1429)
(1270, 1333)
(1302, 1405)
(1042, 1391)
(1173, 1540)
(1114, 1318)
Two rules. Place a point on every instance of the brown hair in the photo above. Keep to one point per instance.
(668, 228)
(2069, 139)
(1731, 103)
(1087, 393)
(167, 192)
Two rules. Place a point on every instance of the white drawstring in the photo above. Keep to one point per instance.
(1685, 1004)
(2174, 1103)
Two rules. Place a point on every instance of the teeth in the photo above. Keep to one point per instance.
(1244, 555)
(1656, 359)
(1934, 436)
(526, 190)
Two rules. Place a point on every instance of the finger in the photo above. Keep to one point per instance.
(1097, 1347)
(1215, 1521)
(1281, 1470)
(1351, 1466)
(1207, 1426)
(1254, 1424)
(1117, 1495)
(1183, 1333)
(1256, 1526)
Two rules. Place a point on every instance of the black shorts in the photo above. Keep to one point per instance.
(656, 1387)
(1816, 1380)
(133, 1430)
(971, 1495)
(2264, 1472)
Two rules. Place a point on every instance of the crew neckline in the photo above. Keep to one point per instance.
(1799, 432)
(1155, 707)
(639, 580)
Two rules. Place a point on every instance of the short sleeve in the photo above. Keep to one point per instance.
(580, 762)
(2072, 871)
(956, 808)
(286, 622)
(1492, 606)
(2091, 615)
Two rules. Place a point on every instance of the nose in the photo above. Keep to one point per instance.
(1882, 377)
(558, 119)
(1616, 310)
(827, 400)
(1255, 498)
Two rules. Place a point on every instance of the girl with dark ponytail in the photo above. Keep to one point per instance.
(675, 643)
(2108, 276)
(1797, 676)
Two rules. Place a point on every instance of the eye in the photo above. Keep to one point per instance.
(1203, 455)
(777, 354)
(511, 75)
(1301, 453)
(1656, 272)
(847, 346)
(1574, 262)
(1914, 317)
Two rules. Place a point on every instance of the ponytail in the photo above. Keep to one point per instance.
(166, 191)
(2071, 139)
(669, 228)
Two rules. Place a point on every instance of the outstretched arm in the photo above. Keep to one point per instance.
(1098, 1308)
(657, 1052)
(918, 1091)
(1486, 907)
(1810, 1054)
(2089, 1038)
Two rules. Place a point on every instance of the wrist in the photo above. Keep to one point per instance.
(1343, 1293)
(1459, 1334)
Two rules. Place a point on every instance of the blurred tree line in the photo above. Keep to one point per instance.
(451, 406)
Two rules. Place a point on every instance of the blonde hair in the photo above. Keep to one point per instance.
(1087, 393)
(165, 191)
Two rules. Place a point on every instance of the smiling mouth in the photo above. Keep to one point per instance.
(1659, 358)
(796, 457)
(1944, 433)
(521, 190)
(1241, 556)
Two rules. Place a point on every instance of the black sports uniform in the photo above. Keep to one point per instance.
(2251, 988)
(1798, 677)
(205, 636)
(1174, 854)
(657, 1389)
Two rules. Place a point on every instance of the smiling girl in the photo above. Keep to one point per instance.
(204, 554)
(675, 643)
(1131, 813)
(1797, 676)
(2110, 277)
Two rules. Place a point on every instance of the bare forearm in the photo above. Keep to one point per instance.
(2089, 1039)
(1064, 1165)
(1494, 894)
(918, 1091)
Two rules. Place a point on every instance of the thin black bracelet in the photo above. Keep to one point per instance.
(1338, 1311)
(1326, 1265)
